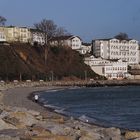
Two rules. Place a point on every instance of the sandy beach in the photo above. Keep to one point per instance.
(18, 97)
(43, 124)
(21, 97)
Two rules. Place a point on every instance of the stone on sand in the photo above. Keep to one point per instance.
(25, 118)
(132, 135)
(4, 125)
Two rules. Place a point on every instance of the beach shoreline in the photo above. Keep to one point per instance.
(53, 109)
(20, 97)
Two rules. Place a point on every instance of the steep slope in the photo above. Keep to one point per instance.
(65, 62)
(27, 61)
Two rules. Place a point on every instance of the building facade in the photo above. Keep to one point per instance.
(126, 50)
(71, 41)
(16, 34)
(109, 69)
(37, 37)
(85, 48)
(139, 54)
(2, 37)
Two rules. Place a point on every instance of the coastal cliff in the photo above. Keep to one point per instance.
(23, 61)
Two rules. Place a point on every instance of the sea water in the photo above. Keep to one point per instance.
(107, 106)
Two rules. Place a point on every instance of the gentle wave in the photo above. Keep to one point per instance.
(53, 90)
(52, 107)
(109, 107)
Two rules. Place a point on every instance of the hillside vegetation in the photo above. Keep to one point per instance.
(22, 61)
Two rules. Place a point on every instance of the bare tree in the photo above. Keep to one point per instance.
(49, 30)
(2, 20)
(61, 32)
(122, 36)
(48, 27)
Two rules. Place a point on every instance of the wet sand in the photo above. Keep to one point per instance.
(19, 97)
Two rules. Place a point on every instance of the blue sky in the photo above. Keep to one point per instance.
(89, 19)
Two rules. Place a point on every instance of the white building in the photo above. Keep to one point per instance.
(85, 48)
(2, 37)
(126, 50)
(115, 69)
(139, 54)
(16, 34)
(71, 41)
(23, 35)
(37, 37)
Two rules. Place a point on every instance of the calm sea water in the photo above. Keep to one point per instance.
(108, 106)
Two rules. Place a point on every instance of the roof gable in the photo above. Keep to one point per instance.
(64, 38)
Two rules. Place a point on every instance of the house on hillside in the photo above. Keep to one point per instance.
(85, 48)
(74, 42)
(2, 37)
(37, 37)
(16, 34)
(126, 50)
(139, 53)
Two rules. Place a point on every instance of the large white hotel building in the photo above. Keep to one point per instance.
(126, 50)
(115, 69)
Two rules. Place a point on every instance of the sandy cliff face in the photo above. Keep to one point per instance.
(28, 61)
(23, 56)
